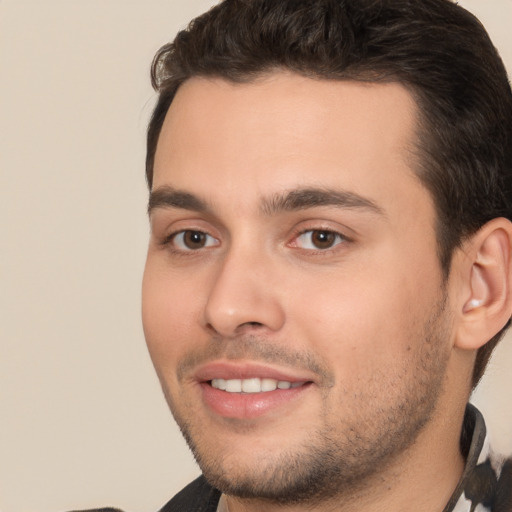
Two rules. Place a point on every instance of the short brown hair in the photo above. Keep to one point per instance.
(437, 49)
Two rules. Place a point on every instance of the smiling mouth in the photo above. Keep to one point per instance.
(253, 385)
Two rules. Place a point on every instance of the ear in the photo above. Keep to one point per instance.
(485, 304)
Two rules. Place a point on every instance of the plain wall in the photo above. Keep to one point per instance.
(82, 419)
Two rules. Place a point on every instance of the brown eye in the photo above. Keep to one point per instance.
(319, 239)
(190, 240)
(323, 239)
(194, 239)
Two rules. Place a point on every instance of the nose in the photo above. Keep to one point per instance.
(244, 296)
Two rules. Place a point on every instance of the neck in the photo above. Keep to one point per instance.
(422, 478)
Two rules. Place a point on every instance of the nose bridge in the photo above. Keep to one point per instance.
(243, 294)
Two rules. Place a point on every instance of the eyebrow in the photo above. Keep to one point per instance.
(304, 198)
(293, 200)
(168, 197)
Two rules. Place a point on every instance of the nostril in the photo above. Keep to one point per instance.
(228, 314)
(245, 327)
(210, 328)
(249, 326)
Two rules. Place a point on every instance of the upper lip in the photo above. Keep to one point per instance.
(248, 370)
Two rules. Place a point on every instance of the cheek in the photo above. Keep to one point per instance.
(362, 322)
(169, 316)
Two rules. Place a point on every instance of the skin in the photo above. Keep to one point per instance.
(362, 314)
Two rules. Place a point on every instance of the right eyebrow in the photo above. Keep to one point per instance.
(168, 197)
(304, 198)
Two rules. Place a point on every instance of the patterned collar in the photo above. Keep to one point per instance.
(486, 483)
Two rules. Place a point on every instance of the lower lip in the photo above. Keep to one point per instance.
(248, 405)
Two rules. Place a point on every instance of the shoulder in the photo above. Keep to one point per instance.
(490, 484)
(198, 496)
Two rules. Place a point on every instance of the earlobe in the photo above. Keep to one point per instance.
(487, 305)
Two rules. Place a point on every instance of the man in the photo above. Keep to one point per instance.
(329, 267)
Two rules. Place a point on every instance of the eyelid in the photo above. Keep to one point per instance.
(180, 235)
(166, 224)
(170, 239)
(341, 238)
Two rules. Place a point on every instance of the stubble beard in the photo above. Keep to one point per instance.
(343, 456)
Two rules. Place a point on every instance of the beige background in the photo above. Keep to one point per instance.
(82, 420)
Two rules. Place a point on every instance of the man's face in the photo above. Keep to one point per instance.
(293, 302)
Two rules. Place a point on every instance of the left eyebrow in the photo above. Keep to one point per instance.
(304, 198)
(168, 197)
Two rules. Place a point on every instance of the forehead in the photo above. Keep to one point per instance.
(284, 131)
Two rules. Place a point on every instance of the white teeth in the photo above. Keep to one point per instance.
(254, 385)
(268, 384)
(251, 385)
(219, 384)
(233, 386)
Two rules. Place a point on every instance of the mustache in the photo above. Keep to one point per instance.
(255, 349)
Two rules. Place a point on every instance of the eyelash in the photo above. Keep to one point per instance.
(169, 239)
(339, 239)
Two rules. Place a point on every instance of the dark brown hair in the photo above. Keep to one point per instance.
(438, 50)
